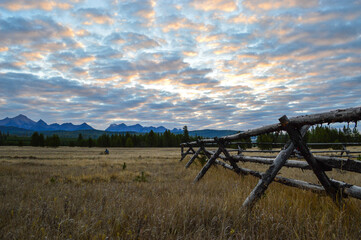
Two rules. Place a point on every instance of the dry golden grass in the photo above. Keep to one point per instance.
(76, 193)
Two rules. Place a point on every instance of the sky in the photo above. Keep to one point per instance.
(219, 64)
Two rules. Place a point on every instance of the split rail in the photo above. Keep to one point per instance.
(296, 128)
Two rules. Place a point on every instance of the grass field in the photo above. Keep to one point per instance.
(77, 193)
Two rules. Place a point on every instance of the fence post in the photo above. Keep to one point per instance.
(332, 190)
(187, 152)
(271, 173)
(195, 154)
(208, 165)
(221, 145)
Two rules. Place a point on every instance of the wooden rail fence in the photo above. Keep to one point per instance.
(296, 128)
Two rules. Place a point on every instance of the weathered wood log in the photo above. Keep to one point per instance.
(342, 115)
(227, 155)
(269, 161)
(332, 162)
(207, 165)
(283, 180)
(300, 184)
(193, 158)
(336, 144)
(271, 173)
(329, 151)
(255, 151)
(340, 163)
(329, 161)
(308, 144)
(185, 154)
(296, 138)
(190, 149)
(223, 164)
(350, 190)
(239, 150)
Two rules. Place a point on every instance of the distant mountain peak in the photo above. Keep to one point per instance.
(22, 121)
(85, 126)
(41, 123)
(22, 117)
(137, 128)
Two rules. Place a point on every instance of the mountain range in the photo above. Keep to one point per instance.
(21, 125)
(23, 122)
(139, 129)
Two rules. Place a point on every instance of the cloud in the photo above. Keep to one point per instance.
(140, 11)
(46, 5)
(189, 53)
(106, 52)
(121, 69)
(131, 42)
(245, 19)
(71, 63)
(234, 65)
(115, 38)
(55, 95)
(95, 15)
(32, 56)
(17, 30)
(264, 5)
(11, 65)
(215, 5)
(174, 23)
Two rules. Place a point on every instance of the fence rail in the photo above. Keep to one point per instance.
(296, 128)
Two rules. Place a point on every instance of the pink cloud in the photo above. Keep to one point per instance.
(215, 5)
(46, 5)
(265, 5)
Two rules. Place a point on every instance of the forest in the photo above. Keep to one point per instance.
(318, 134)
(151, 139)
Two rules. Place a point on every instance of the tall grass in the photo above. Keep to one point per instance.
(76, 193)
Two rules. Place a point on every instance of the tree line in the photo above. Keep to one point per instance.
(151, 139)
(316, 134)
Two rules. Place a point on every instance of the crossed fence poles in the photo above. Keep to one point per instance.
(296, 128)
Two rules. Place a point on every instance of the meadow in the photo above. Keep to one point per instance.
(146, 193)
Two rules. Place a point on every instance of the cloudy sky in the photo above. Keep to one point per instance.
(203, 63)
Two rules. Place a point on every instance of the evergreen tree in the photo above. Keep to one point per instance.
(185, 134)
(103, 141)
(34, 139)
(53, 141)
(41, 140)
(129, 142)
(265, 138)
(80, 140)
(151, 139)
(90, 142)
